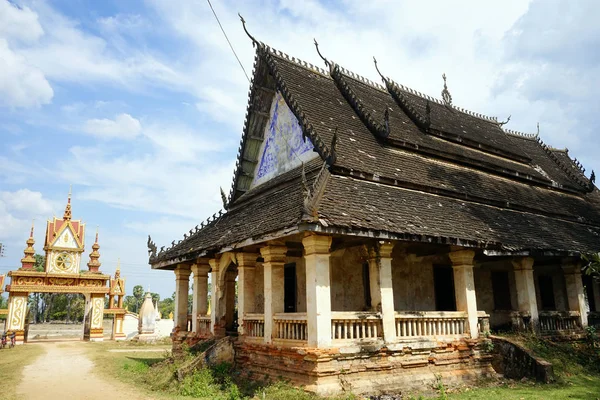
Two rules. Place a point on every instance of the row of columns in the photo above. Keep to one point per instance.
(318, 287)
(526, 294)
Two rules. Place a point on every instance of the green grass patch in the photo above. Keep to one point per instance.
(12, 362)
(576, 366)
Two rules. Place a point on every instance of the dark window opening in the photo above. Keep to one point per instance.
(501, 289)
(366, 285)
(289, 287)
(546, 292)
(443, 282)
(588, 283)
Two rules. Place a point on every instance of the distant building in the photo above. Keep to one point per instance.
(376, 233)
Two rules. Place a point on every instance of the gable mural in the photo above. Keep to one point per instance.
(283, 148)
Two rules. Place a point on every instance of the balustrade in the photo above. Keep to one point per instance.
(483, 322)
(356, 325)
(430, 323)
(188, 325)
(204, 325)
(254, 325)
(554, 321)
(290, 326)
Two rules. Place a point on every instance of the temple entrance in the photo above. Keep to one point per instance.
(55, 316)
(289, 287)
(60, 273)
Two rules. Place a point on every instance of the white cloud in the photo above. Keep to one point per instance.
(21, 85)
(19, 23)
(123, 126)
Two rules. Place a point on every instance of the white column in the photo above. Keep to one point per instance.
(274, 259)
(214, 296)
(382, 292)
(575, 292)
(526, 299)
(182, 289)
(200, 291)
(246, 265)
(318, 290)
(464, 287)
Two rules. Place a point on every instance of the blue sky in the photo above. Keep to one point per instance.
(140, 104)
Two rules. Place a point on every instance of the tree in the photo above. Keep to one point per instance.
(591, 263)
(138, 293)
(155, 297)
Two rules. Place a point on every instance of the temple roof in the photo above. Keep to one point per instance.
(397, 164)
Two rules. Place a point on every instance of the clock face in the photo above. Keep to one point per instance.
(64, 261)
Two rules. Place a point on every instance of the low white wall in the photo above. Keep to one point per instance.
(164, 327)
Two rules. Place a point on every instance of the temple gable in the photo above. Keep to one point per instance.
(284, 146)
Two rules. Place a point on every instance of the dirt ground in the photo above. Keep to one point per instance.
(65, 372)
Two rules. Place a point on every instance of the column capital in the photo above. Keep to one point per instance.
(214, 264)
(316, 244)
(246, 259)
(273, 253)
(201, 268)
(522, 263)
(382, 249)
(462, 257)
(183, 271)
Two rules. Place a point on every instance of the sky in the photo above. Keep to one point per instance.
(140, 105)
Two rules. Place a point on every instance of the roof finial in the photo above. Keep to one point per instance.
(119, 264)
(538, 129)
(502, 123)
(332, 151)
(593, 177)
(445, 93)
(94, 264)
(305, 183)
(223, 198)
(321, 55)
(151, 248)
(67, 214)
(31, 233)
(379, 72)
(254, 41)
(28, 261)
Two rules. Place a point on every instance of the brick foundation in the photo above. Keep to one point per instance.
(362, 371)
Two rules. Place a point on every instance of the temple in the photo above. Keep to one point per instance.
(64, 245)
(376, 234)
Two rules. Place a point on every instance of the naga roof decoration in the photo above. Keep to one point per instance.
(400, 164)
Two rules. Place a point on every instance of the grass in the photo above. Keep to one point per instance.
(576, 365)
(154, 374)
(12, 362)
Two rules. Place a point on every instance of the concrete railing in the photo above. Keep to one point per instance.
(355, 325)
(204, 325)
(556, 321)
(290, 326)
(483, 322)
(430, 323)
(254, 325)
(189, 323)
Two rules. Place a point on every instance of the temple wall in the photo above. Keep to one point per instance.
(412, 279)
(347, 288)
(300, 284)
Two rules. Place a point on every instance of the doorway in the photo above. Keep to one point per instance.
(443, 282)
(289, 288)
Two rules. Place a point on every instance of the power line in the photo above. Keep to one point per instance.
(230, 45)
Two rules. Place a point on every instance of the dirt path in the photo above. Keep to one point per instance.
(65, 372)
